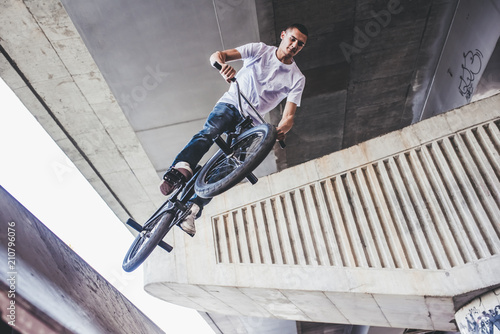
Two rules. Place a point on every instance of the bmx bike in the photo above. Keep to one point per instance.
(240, 153)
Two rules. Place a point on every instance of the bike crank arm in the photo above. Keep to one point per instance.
(136, 226)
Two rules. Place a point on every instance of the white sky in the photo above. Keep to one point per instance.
(38, 174)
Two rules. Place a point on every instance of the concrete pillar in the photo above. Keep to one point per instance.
(481, 315)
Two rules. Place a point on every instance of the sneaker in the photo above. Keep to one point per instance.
(187, 225)
(173, 178)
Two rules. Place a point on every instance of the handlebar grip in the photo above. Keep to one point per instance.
(282, 144)
(219, 67)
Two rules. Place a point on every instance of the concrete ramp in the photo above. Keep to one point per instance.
(50, 289)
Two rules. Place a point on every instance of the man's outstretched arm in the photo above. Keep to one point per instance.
(287, 120)
(222, 57)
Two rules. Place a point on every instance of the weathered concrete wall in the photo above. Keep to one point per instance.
(51, 281)
(385, 233)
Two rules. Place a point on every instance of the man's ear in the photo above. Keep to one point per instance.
(283, 33)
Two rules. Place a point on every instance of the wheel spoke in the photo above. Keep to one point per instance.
(138, 246)
(223, 172)
(146, 241)
(221, 169)
(245, 149)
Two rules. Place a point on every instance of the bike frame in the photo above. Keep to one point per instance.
(175, 204)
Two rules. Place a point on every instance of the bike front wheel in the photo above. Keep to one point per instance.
(222, 172)
(146, 241)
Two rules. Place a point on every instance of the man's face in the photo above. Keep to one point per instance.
(292, 41)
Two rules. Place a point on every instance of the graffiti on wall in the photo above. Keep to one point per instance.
(471, 66)
(481, 322)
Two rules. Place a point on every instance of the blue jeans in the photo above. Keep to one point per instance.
(223, 118)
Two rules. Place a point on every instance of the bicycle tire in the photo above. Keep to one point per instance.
(221, 173)
(147, 240)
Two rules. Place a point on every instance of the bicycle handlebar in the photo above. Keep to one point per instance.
(219, 67)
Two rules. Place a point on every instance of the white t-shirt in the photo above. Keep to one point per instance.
(265, 80)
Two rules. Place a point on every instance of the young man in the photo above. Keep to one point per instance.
(269, 75)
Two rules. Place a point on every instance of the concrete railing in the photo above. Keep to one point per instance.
(394, 232)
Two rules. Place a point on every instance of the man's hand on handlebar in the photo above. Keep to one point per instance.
(227, 72)
(281, 135)
(219, 59)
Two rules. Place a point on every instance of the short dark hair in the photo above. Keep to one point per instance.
(300, 27)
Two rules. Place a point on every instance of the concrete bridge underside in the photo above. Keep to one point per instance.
(397, 231)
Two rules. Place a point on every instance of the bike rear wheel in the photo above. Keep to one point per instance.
(146, 241)
(223, 172)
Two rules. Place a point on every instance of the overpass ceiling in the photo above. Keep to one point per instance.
(366, 63)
